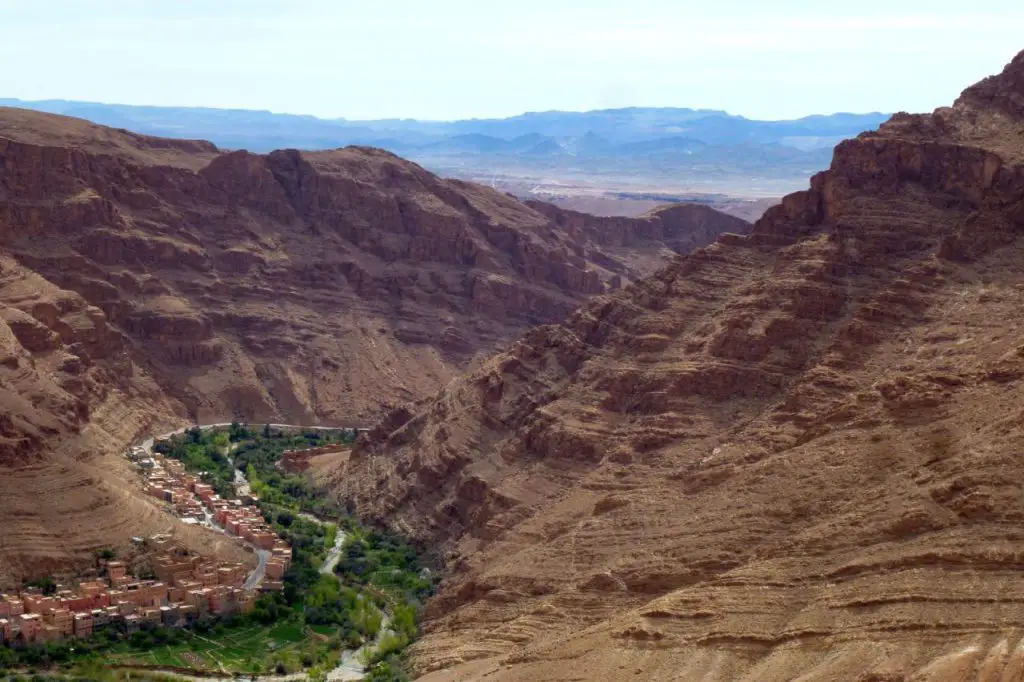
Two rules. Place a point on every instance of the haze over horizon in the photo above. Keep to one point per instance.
(457, 60)
(420, 119)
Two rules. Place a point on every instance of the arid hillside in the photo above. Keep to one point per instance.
(789, 455)
(147, 283)
(300, 286)
(70, 398)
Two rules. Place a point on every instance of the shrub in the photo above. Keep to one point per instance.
(392, 669)
(404, 621)
(367, 618)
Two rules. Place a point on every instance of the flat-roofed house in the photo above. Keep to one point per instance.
(60, 619)
(48, 633)
(39, 603)
(199, 599)
(78, 603)
(15, 606)
(275, 569)
(92, 587)
(264, 540)
(29, 624)
(100, 618)
(83, 624)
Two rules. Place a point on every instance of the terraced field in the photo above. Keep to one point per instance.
(247, 649)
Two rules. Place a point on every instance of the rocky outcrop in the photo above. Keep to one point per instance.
(681, 227)
(640, 243)
(790, 454)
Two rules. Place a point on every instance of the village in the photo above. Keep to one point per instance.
(182, 589)
(195, 502)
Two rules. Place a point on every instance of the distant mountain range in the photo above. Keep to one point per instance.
(657, 144)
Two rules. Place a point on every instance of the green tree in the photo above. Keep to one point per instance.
(47, 584)
(237, 432)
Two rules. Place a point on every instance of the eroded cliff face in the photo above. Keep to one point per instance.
(150, 283)
(70, 397)
(643, 245)
(793, 454)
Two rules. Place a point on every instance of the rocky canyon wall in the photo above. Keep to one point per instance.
(787, 455)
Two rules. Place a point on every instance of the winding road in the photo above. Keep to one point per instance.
(148, 443)
(256, 577)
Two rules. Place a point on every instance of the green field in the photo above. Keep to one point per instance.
(236, 650)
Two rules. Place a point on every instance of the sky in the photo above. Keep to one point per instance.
(453, 59)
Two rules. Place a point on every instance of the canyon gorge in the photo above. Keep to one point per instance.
(671, 447)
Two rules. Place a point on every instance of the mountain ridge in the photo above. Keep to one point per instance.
(639, 146)
(841, 120)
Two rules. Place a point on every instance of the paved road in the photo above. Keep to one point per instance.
(148, 443)
(256, 577)
(262, 555)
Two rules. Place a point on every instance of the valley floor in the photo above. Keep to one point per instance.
(349, 601)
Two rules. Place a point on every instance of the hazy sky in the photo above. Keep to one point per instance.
(444, 59)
